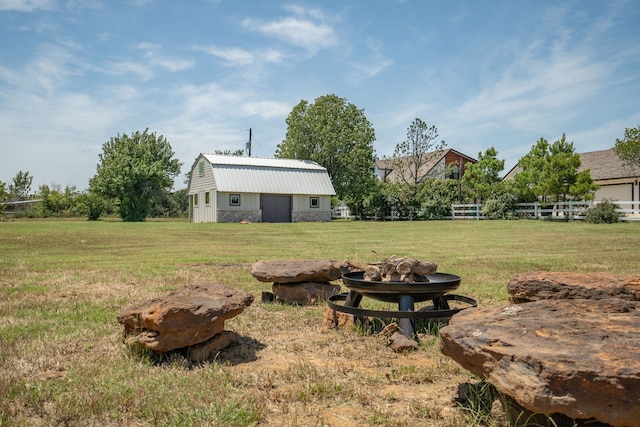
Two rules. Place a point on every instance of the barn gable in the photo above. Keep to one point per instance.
(232, 188)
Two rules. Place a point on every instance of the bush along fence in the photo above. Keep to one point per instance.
(571, 210)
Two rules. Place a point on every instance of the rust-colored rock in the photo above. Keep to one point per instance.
(304, 293)
(185, 317)
(540, 285)
(204, 350)
(334, 319)
(580, 358)
(401, 343)
(293, 271)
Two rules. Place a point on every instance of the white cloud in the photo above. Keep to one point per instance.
(307, 29)
(153, 55)
(27, 5)
(237, 57)
(129, 67)
(365, 69)
(266, 109)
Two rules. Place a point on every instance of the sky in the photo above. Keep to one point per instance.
(201, 73)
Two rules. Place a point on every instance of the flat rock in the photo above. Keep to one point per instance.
(580, 358)
(201, 352)
(304, 293)
(188, 316)
(292, 271)
(540, 285)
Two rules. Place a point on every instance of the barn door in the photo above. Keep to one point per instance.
(275, 207)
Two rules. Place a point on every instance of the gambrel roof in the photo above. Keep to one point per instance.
(273, 176)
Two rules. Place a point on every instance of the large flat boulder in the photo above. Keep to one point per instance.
(188, 316)
(304, 293)
(580, 358)
(294, 271)
(540, 285)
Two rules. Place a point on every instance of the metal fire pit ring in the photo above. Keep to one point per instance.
(406, 295)
(429, 312)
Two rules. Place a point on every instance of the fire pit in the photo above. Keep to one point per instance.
(405, 295)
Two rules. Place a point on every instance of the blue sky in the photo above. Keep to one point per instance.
(500, 73)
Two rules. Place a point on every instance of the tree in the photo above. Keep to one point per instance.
(135, 170)
(531, 166)
(418, 150)
(56, 202)
(434, 197)
(550, 173)
(21, 186)
(338, 136)
(628, 148)
(480, 178)
(4, 195)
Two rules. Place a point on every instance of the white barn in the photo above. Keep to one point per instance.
(233, 189)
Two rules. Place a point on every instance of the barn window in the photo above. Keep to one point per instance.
(195, 200)
(314, 202)
(234, 199)
(201, 168)
(206, 198)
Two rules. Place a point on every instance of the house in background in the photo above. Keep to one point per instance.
(435, 167)
(233, 189)
(616, 180)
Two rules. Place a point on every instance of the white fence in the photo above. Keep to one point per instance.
(561, 211)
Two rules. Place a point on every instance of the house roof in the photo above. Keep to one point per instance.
(606, 164)
(433, 158)
(603, 164)
(275, 176)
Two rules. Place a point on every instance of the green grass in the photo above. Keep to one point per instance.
(62, 284)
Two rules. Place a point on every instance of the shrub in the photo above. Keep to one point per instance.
(502, 202)
(603, 213)
(501, 206)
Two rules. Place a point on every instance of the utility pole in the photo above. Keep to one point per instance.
(248, 148)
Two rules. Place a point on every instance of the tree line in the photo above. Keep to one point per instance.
(136, 173)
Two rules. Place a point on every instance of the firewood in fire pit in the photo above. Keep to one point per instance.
(409, 270)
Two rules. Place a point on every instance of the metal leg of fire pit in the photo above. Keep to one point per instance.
(407, 325)
(441, 304)
(353, 299)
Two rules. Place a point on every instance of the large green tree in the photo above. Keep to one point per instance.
(335, 134)
(480, 178)
(550, 173)
(21, 187)
(419, 149)
(134, 171)
(628, 148)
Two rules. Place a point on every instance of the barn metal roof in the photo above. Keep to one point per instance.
(275, 176)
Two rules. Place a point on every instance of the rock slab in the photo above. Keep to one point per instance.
(188, 316)
(304, 293)
(578, 357)
(540, 285)
(294, 271)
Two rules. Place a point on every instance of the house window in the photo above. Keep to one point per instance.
(206, 198)
(201, 168)
(234, 199)
(314, 202)
(195, 200)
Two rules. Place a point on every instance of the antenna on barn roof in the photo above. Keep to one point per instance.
(248, 146)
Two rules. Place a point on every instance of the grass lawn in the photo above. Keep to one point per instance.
(63, 282)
